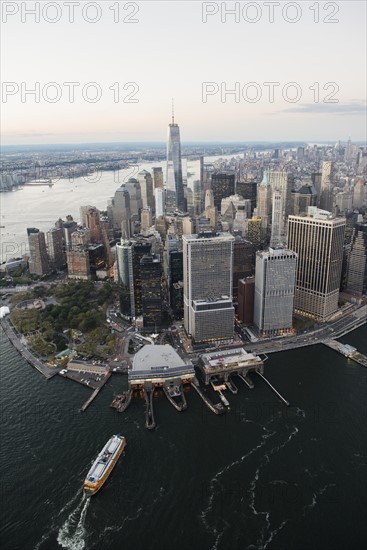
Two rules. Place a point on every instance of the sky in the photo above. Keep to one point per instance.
(135, 57)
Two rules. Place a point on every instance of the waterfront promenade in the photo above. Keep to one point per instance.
(30, 357)
(331, 330)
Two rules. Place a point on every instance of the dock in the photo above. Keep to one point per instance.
(149, 413)
(231, 386)
(247, 380)
(348, 351)
(94, 394)
(218, 408)
(274, 390)
(48, 372)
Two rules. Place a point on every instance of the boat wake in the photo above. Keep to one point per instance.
(218, 526)
(72, 533)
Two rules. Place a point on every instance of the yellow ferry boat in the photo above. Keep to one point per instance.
(104, 464)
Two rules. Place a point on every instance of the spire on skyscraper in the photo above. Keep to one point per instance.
(173, 111)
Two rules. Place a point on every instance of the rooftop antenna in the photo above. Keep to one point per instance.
(173, 111)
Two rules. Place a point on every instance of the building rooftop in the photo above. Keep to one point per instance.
(152, 357)
(227, 358)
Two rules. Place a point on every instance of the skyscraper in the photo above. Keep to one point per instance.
(223, 185)
(151, 292)
(277, 220)
(174, 165)
(207, 272)
(124, 256)
(120, 213)
(357, 264)
(38, 258)
(146, 188)
(263, 208)
(275, 277)
(318, 240)
(55, 247)
(158, 177)
(248, 190)
(326, 191)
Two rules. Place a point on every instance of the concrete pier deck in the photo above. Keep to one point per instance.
(94, 393)
(347, 351)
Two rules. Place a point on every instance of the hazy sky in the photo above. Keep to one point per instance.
(170, 52)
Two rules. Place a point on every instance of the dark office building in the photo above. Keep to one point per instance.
(176, 283)
(248, 190)
(96, 254)
(243, 264)
(246, 296)
(223, 185)
(151, 292)
(38, 257)
(140, 249)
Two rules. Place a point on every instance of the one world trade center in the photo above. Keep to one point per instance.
(174, 166)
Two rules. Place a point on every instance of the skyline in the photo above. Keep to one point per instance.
(194, 62)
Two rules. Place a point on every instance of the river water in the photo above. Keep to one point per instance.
(41, 206)
(262, 476)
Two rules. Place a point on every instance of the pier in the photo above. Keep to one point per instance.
(94, 394)
(48, 372)
(149, 414)
(247, 380)
(231, 386)
(348, 351)
(274, 390)
(217, 408)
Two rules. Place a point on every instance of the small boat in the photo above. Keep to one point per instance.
(104, 464)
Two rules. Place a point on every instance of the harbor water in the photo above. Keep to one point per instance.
(261, 476)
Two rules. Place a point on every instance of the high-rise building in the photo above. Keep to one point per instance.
(174, 181)
(55, 247)
(263, 208)
(223, 185)
(326, 192)
(125, 277)
(146, 188)
(160, 200)
(243, 264)
(280, 181)
(140, 249)
(246, 296)
(357, 263)
(253, 233)
(158, 178)
(146, 218)
(207, 272)
(136, 203)
(68, 229)
(98, 234)
(248, 190)
(303, 198)
(209, 198)
(78, 263)
(318, 240)
(275, 277)
(38, 258)
(151, 292)
(120, 212)
(277, 238)
(359, 193)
